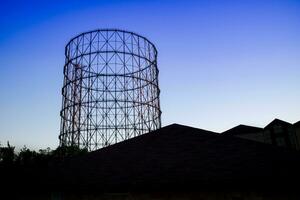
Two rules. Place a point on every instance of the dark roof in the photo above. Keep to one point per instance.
(277, 122)
(178, 157)
(297, 123)
(242, 129)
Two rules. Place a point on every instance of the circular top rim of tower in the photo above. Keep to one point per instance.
(112, 29)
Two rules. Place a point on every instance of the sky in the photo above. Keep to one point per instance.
(222, 63)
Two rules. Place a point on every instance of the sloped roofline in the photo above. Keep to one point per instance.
(244, 129)
(277, 121)
(297, 123)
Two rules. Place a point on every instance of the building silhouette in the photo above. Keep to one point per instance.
(246, 132)
(277, 132)
(175, 162)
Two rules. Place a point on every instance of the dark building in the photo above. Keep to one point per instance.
(174, 162)
(297, 132)
(247, 132)
(277, 132)
(281, 133)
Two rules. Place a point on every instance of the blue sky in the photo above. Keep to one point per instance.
(222, 63)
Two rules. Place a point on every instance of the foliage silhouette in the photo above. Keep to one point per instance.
(29, 158)
(7, 154)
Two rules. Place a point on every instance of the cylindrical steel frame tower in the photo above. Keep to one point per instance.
(110, 90)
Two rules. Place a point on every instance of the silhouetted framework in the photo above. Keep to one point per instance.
(110, 90)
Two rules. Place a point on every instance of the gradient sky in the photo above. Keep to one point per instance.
(222, 63)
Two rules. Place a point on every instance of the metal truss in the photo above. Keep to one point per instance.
(110, 91)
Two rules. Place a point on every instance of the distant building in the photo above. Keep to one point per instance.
(281, 133)
(297, 132)
(277, 132)
(247, 132)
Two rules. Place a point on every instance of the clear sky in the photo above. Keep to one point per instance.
(222, 63)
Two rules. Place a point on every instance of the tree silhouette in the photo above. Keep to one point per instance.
(27, 157)
(7, 154)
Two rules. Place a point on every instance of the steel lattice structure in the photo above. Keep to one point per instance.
(110, 90)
